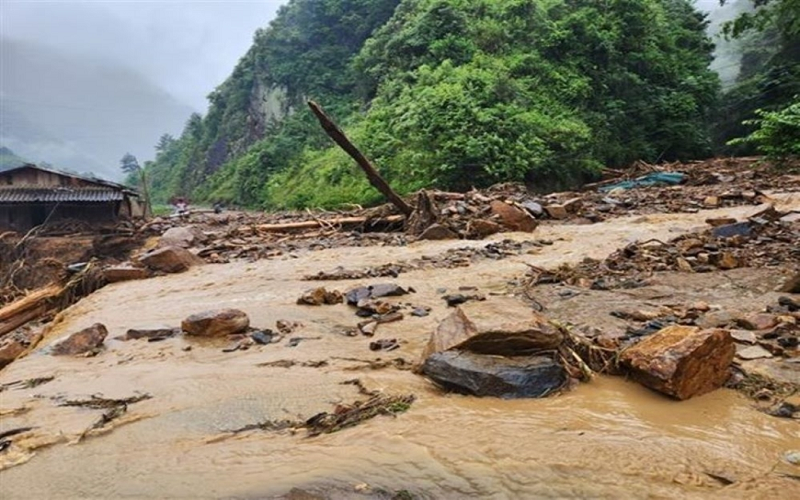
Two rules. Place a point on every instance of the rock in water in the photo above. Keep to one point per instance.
(481, 375)
(216, 323)
(438, 232)
(81, 342)
(511, 339)
(170, 259)
(513, 218)
(184, 237)
(681, 361)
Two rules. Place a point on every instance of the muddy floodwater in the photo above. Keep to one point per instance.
(609, 438)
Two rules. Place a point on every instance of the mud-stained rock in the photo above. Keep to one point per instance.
(16, 344)
(557, 211)
(170, 259)
(514, 218)
(681, 361)
(520, 338)
(182, 236)
(320, 296)
(758, 321)
(438, 232)
(82, 342)
(498, 376)
(125, 272)
(158, 332)
(216, 323)
(481, 228)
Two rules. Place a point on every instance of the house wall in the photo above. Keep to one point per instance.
(22, 218)
(40, 178)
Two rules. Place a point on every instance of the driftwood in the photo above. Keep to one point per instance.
(314, 224)
(373, 176)
(30, 307)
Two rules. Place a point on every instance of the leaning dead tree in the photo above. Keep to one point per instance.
(373, 176)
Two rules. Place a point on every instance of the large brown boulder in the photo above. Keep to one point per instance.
(170, 259)
(520, 338)
(183, 237)
(82, 342)
(515, 219)
(216, 323)
(681, 361)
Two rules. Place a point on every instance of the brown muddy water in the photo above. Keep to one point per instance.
(606, 439)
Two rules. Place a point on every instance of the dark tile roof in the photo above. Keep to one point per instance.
(93, 180)
(55, 195)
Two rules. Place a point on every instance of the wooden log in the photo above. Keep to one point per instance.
(373, 176)
(314, 224)
(21, 318)
(31, 300)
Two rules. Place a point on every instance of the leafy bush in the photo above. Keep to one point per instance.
(777, 133)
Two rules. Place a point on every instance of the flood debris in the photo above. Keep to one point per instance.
(29, 383)
(87, 341)
(97, 402)
(681, 361)
(288, 363)
(125, 272)
(345, 416)
(216, 323)
(354, 296)
(384, 345)
(150, 334)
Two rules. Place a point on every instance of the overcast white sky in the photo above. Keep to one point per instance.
(187, 47)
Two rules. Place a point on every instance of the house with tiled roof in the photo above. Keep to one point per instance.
(31, 196)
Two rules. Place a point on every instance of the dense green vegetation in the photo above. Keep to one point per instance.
(769, 80)
(449, 93)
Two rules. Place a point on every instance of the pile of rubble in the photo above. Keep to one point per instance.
(767, 239)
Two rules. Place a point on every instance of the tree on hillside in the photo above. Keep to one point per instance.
(136, 175)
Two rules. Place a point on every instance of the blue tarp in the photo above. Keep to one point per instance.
(655, 179)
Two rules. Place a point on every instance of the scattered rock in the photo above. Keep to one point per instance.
(438, 232)
(82, 342)
(384, 345)
(533, 208)
(681, 361)
(754, 352)
(720, 221)
(481, 228)
(791, 218)
(457, 299)
(125, 272)
(792, 305)
(356, 295)
(513, 218)
(716, 319)
(731, 230)
(557, 211)
(481, 375)
(170, 259)
(792, 285)
(216, 323)
(759, 321)
(320, 296)
(150, 333)
(711, 201)
(744, 336)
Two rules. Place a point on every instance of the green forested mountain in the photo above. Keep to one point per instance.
(451, 93)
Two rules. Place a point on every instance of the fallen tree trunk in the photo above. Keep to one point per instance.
(316, 224)
(21, 318)
(373, 176)
(29, 301)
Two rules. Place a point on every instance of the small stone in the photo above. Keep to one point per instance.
(716, 319)
(557, 211)
(683, 265)
(533, 208)
(793, 457)
(438, 232)
(82, 342)
(216, 323)
(791, 218)
(754, 352)
(759, 321)
(320, 296)
(720, 221)
(725, 260)
(356, 295)
(711, 201)
(150, 333)
(744, 336)
(731, 230)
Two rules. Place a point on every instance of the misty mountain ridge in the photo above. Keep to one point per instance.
(77, 113)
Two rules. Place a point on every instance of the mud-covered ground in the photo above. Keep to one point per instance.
(606, 438)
